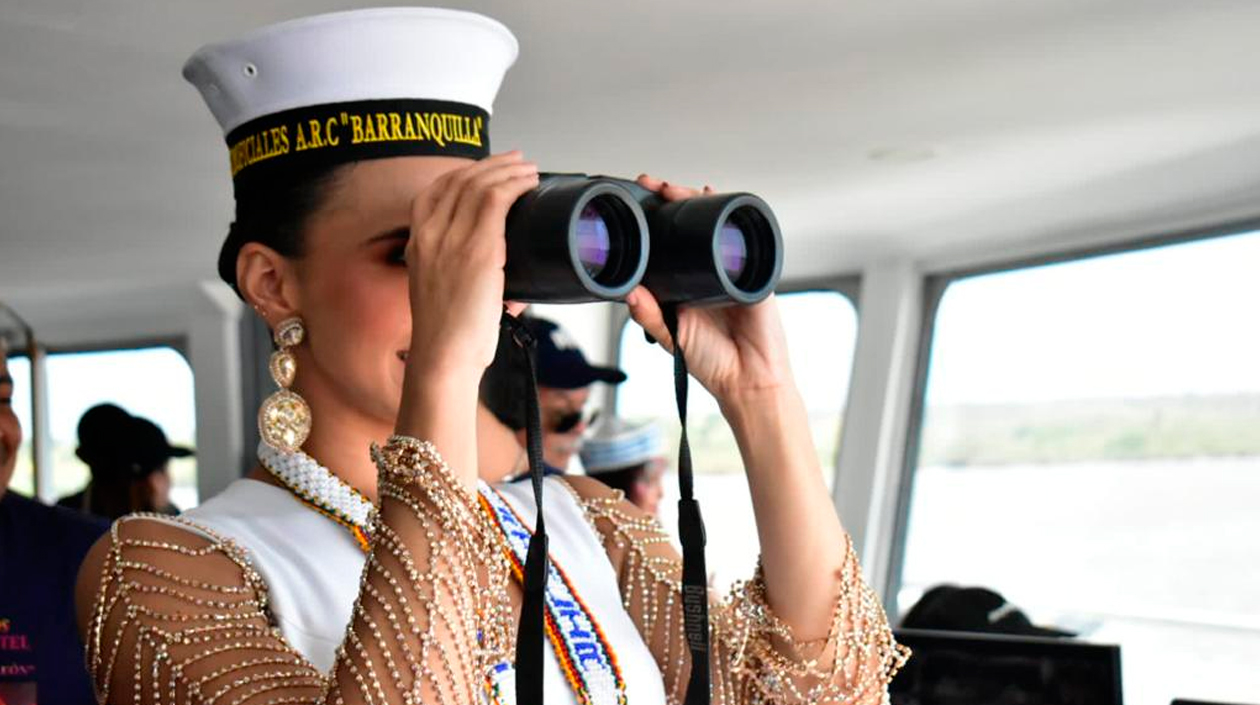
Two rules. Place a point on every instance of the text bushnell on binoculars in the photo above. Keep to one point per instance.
(579, 238)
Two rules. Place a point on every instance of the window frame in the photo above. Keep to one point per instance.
(936, 283)
(39, 353)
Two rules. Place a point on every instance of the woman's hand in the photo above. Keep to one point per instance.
(738, 353)
(455, 260)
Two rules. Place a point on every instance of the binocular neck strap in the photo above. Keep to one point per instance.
(530, 636)
(695, 590)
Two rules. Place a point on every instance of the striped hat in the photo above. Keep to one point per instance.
(616, 445)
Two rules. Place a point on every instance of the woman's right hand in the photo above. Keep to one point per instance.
(455, 260)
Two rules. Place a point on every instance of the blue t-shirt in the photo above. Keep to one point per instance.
(41, 548)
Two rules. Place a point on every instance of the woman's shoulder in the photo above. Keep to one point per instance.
(161, 547)
(588, 489)
(247, 497)
(190, 602)
(601, 502)
(628, 532)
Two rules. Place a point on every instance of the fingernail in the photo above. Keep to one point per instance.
(632, 299)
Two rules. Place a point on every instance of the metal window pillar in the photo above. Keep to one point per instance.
(214, 353)
(872, 451)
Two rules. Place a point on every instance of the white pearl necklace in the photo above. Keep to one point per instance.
(320, 487)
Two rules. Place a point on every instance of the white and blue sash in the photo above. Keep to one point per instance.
(581, 647)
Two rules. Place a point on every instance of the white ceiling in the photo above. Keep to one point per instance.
(950, 132)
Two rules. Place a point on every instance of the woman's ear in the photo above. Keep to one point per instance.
(267, 281)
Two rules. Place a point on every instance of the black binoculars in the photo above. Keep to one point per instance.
(578, 238)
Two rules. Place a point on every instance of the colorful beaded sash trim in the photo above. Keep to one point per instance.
(580, 645)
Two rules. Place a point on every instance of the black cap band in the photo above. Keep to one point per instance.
(272, 153)
(274, 148)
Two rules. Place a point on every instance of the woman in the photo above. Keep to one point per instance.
(129, 458)
(628, 457)
(370, 237)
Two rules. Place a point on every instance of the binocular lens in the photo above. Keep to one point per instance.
(575, 239)
(733, 250)
(712, 249)
(748, 250)
(609, 242)
(592, 241)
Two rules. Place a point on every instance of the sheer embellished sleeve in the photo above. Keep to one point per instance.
(182, 617)
(755, 657)
(178, 614)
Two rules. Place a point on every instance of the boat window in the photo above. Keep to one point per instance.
(1090, 449)
(155, 383)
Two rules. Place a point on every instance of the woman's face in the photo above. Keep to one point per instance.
(649, 488)
(352, 288)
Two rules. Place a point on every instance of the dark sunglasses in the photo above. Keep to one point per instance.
(568, 422)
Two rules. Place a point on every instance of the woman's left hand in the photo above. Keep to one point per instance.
(738, 353)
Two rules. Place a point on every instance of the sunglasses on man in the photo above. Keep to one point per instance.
(569, 421)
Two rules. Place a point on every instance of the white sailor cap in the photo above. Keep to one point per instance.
(616, 444)
(355, 85)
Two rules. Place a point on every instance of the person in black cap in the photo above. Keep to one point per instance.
(152, 454)
(564, 387)
(128, 458)
(565, 379)
(41, 548)
(972, 609)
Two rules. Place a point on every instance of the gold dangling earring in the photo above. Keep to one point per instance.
(284, 419)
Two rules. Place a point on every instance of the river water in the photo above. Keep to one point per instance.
(1162, 558)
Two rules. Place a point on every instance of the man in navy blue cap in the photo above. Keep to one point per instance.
(564, 386)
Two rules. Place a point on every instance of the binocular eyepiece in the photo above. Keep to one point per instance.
(578, 238)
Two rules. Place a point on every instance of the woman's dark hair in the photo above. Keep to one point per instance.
(622, 479)
(275, 216)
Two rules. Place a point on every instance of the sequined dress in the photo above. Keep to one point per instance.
(312, 565)
(253, 598)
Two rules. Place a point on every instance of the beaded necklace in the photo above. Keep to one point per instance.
(319, 488)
